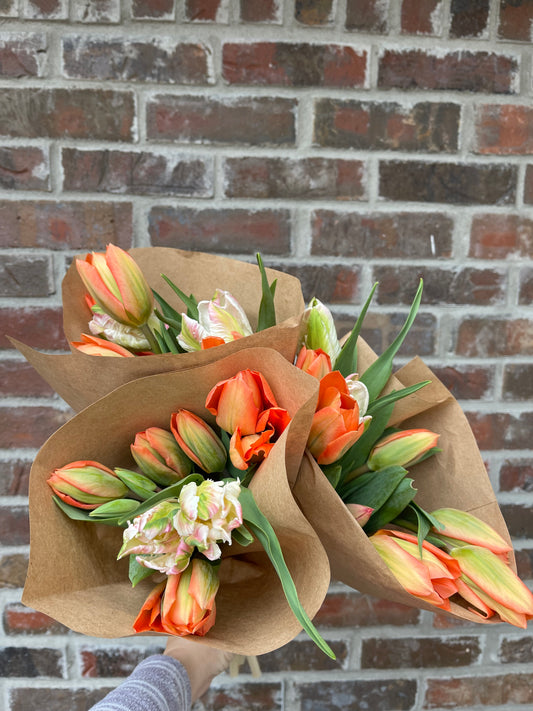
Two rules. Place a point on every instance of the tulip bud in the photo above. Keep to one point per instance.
(117, 285)
(116, 508)
(91, 345)
(86, 484)
(160, 457)
(320, 330)
(360, 513)
(458, 527)
(316, 363)
(142, 486)
(402, 449)
(199, 441)
(358, 391)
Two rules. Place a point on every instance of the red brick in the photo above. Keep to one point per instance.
(428, 127)
(516, 475)
(38, 327)
(305, 179)
(65, 225)
(246, 696)
(467, 382)
(419, 652)
(351, 609)
(516, 18)
(29, 426)
(221, 230)
(198, 119)
(398, 235)
(259, 10)
(501, 430)
(137, 173)
(455, 183)
(202, 10)
(35, 699)
(497, 690)
(301, 656)
(32, 662)
(13, 569)
(24, 168)
(46, 9)
(14, 477)
(97, 114)
(114, 661)
(469, 19)
(367, 16)
(421, 18)
(524, 563)
(517, 381)
(26, 275)
(491, 337)
(504, 129)
(101, 11)
(128, 60)
(313, 12)
(468, 285)
(525, 293)
(23, 55)
(456, 71)
(528, 185)
(331, 283)
(441, 621)
(516, 651)
(496, 236)
(21, 620)
(14, 526)
(152, 9)
(339, 695)
(285, 64)
(519, 519)
(380, 329)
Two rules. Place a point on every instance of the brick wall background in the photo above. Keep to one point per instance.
(348, 140)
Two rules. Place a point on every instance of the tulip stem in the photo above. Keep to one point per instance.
(154, 345)
(355, 473)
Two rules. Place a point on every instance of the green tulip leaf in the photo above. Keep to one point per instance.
(140, 485)
(357, 455)
(76, 514)
(190, 302)
(138, 572)
(346, 361)
(117, 509)
(393, 506)
(373, 488)
(267, 310)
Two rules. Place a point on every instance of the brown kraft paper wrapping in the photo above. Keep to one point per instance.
(455, 477)
(73, 573)
(80, 379)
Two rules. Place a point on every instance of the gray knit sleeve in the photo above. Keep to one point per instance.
(158, 683)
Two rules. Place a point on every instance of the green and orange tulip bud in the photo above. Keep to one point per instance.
(314, 362)
(401, 449)
(199, 441)
(459, 528)
(117, 285)
(320, 332)
(86, 484)
(92, 345)
(160, 457)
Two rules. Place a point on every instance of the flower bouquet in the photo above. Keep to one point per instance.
(414, 523)
(224, 535)
(117, 294)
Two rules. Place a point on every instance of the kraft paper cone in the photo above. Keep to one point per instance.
(455, 477)
(81, 379)
(73, 573)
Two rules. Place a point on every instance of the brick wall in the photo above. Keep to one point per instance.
(350, 141)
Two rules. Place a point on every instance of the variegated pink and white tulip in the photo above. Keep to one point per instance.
(220, 320)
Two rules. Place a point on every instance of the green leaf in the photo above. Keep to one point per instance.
(414, 518)
(373, 488)
(138, 572)
(168, 311)
(263, 531)
(170, 343)
(346, 361)
(141, 485)
(242, 536)
(394, 396)
(171, 492)
(376, 376)
(400, 498)
(267, 312)
(333, 473)
(189, 301)
(160, 342)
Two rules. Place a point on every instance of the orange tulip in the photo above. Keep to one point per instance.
(336, 424)
(92, 345)
(86, 484)
(117, 285)
(182, 605)
(314, 362)
(160, 457)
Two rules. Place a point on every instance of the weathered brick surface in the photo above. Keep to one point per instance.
(113, 661)
(313, 12)
(23, 55)
(225, 231)
(515, 17)
(504, 129)
(428, 127)
(331, 283)
(137, 173)
(14, 477)
(480, 287)
(495, 690)
(380, 329)
(29, 662)
(379, 695)
(469, 19)
(164, 62)
(31, 699)
(79, 225)
(421, 18)
(101, 11)
(501, 236)
(13, 568)
(454, 183)
(525, 294)
(518, 381)
(29, 426)
(516, 650)
(152, 9)
(519, 519)
(8, 8)
(516, 474)
(351, 609)
(14, 525)
(524, 563)
(21, 620)
(299, 656)
(261, 120)
(245, 697)
(45, 9)
(305, 179)
(467, 382)
(283, 64)
(367, 16)
(457, 71)
(24, 168)
(501, 430)
(26, 275)
(490, 337)
(101, 114)
(38, 327)
(259, 10)
(417, 652)
(203, 10)
(373, 236)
